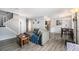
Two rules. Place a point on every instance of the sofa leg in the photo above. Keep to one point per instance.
(41, 45)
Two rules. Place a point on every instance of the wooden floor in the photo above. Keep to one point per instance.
(6, 33)
(54, 44)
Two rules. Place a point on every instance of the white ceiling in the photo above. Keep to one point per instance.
(37, 11)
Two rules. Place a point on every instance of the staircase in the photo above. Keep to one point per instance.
(4, 17)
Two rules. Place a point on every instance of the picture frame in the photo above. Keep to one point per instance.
(58, 22)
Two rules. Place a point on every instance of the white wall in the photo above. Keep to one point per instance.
(13, 23)
(66, 23)
(22, 24)
(54, 28)
(17, 24)
(38, 22)
(29, 25)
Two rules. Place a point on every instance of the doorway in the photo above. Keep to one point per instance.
(28, 25)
